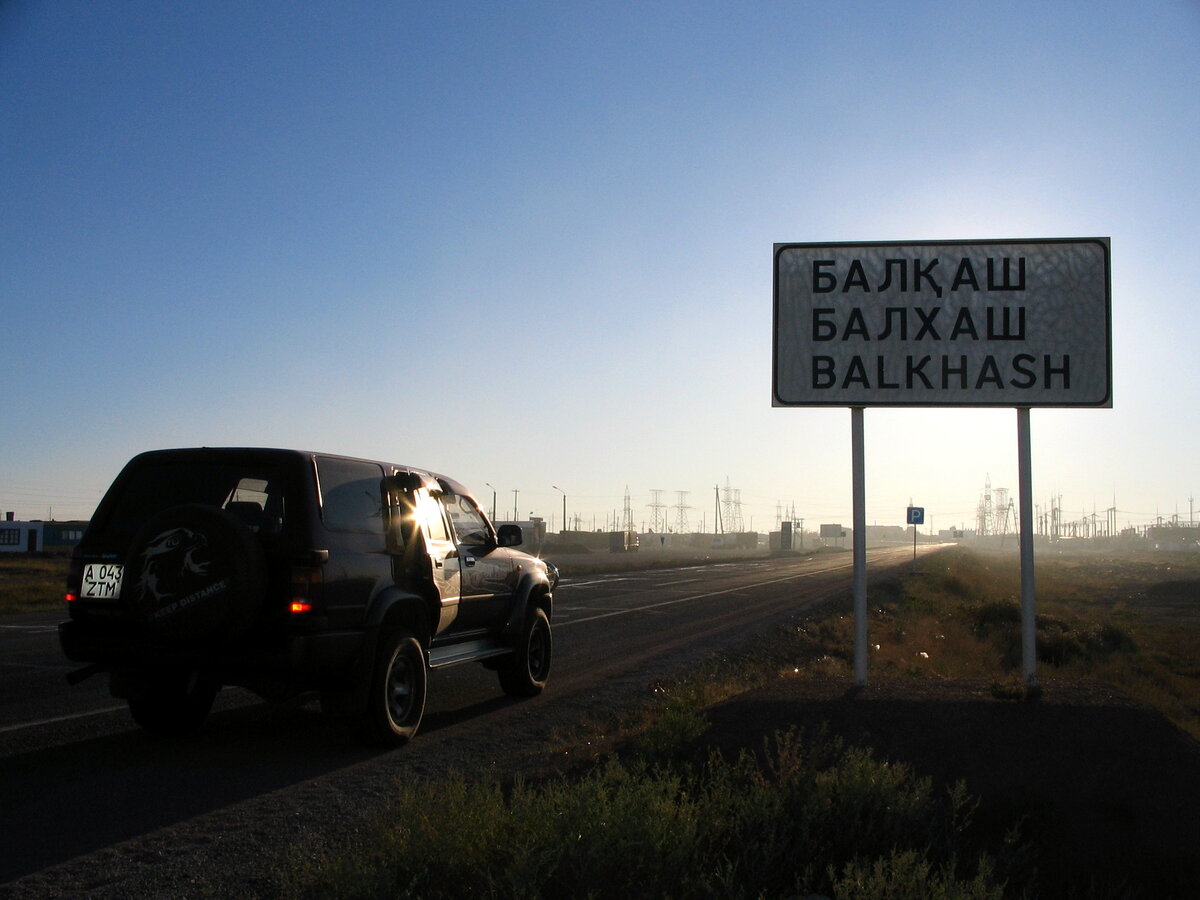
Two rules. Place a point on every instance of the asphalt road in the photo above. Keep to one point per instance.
(77, 776)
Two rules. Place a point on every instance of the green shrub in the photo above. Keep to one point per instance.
(672, 733)
(1060, 642)
(1112, 638)
(907, 875)
(1015, 690)
(995, 615)
(956, 586)
(628, 829)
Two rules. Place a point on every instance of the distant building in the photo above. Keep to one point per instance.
(62, 537)
(1176, 536)
(39, 537)
(881, 535)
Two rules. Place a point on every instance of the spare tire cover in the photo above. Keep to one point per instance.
(194, 572)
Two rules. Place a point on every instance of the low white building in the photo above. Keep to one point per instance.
(52, 537)
(20, 537)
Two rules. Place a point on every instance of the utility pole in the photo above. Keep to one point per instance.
(564, 493)
(493, 500)
(515, 492)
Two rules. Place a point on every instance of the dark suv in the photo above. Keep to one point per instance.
(288, 572)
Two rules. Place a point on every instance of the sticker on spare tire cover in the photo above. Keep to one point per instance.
(174, 573)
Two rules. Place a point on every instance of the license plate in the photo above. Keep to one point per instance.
(102, 581)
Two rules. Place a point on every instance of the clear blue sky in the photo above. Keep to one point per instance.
(530, 244)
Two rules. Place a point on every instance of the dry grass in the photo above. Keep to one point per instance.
(1132, 621)
(32, 584)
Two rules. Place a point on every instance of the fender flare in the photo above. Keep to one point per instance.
(532, 590)
(395, 606)
(389, 608)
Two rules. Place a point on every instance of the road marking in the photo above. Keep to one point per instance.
(732, 590)
(575, 584)
(83, 715)
(12, 665)
(30, 629)
(559, 609)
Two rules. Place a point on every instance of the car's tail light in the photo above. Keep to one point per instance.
(306, 589)
(74, 580)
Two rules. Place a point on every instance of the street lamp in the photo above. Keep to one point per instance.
(493, 500)
(564, 493)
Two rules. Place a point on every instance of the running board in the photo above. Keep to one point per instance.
(469, 651)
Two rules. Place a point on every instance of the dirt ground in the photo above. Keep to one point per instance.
(1097, 783)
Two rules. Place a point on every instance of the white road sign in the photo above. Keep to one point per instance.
(1015, 323)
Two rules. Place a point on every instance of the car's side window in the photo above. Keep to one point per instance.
(468, 521)
(350, 495)
(430, 512)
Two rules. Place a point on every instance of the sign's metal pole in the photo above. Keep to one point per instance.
(860, 546)
(1028, 602)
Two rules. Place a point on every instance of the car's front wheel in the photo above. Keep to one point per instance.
(524, 674)
(396, 694)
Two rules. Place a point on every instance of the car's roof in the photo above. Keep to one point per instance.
(449, 485)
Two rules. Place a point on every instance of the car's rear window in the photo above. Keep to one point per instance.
(254, 494)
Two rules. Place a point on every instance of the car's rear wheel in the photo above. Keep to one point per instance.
(525, 673)
(396, 693)
(173, 704)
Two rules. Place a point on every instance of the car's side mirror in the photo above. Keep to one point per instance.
(510, 536)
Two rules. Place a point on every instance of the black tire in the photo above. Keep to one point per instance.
(194, 574)
(396, 693)
(524, 674)
(174, 704)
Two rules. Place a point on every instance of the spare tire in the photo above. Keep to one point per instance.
(194, 573)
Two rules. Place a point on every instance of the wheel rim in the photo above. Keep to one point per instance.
(537, 653)
(401, 686)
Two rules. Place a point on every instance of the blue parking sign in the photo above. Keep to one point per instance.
(916, 515)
